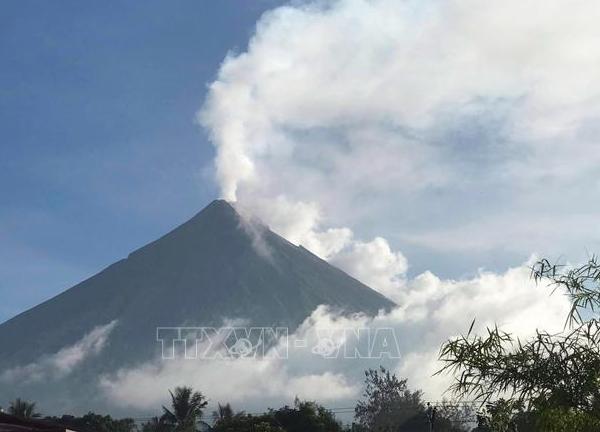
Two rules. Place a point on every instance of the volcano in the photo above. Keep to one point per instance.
(216, 266)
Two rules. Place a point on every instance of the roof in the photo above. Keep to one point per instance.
(9, 423)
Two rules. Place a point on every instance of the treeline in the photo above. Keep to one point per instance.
(388, 405)
(549, 383)
(90, 422)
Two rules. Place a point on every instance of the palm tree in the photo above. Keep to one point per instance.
(156, 425)
(223, 413)
(22, 408)
(186, 409)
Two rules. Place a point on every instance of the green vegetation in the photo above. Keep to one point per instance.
(186, 410)
(95, 422)
(302, 417)
(23, 409)
(389, 405)
(548, 383)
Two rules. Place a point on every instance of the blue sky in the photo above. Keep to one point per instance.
(391, 138)
(99, 150)
(428, 148)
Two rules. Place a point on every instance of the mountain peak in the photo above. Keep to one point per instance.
(219, 205)
(205, 271)
(219, 218)
(219, 210)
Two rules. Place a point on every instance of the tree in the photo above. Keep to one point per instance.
(23, 409)
(186, 409)
(306, 416)
(156, 424)
(225, 419)
(451, 416)
(504, 415)
(554, 378)
(224, 413)
(266, 427)
(388, 403)
(96, 422)
(242, 422)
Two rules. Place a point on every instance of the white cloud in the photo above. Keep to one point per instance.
(431, 119)
(433, 310)
(64, 361)
(299, 223)
(375, 264)
(240, 381)
(459, 126)
(365, 73)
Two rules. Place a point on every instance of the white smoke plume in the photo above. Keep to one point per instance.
(339, 111)
(473, 116)
(433, 310)
(64, 361)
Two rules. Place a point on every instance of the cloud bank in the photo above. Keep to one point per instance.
(455, 127)
(63, 362)
(432, 311)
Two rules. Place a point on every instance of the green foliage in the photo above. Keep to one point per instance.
(553, 379)
(186, 409)
(267, 427)
(23, 409)
(581, 284)
(247, 423)
(304, 416)
(223, 413)
(504, 416)
(96, 423)
(562, 419)
(226, 420)
(389, 405)
(451, 417)
(156, 424)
